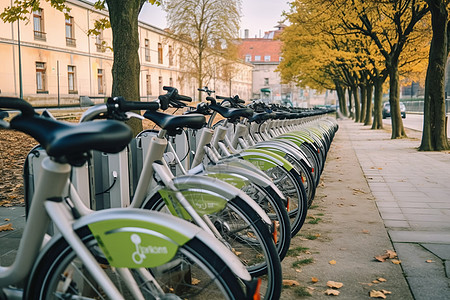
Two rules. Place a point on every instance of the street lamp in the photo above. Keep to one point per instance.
(20, 61)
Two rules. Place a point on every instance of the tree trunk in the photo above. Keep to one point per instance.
(123, 15)
(398, 131)
(378, 101)
(362, 115)
(369, 105)
(341, 97)
(350, 107)
(434, 134)
(356, 102)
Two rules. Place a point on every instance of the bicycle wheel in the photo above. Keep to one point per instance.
(196, 272)
(264, 194)
(242, 231)
(290, 184)
(272, 204)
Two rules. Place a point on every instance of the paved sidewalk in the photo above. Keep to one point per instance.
(412, 193)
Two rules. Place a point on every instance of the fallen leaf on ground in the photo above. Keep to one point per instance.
(195, 281)
(429, 261)
(289, 282)
(389, 254)
(365, 231)
(375, 281)
(298, 270)
(377, 294)
(314, 279)
(381, 258)
(331, 292)
(396, 261)
(6, 227)
(237, 253)
(386, 292)
(7, 219)
(392, 254)
(381, 279)
(335, 284)
(332, 262)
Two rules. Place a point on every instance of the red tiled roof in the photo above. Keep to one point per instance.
(261, 47)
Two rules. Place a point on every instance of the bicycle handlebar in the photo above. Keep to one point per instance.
(125, 105)
(17, 103)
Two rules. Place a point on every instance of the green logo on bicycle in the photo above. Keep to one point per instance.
(136, 244)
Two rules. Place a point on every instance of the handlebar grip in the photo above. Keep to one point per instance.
(240, 101)
(137, 105)
(211, 99)
(17, 103)
(222, 97)
(184, 98)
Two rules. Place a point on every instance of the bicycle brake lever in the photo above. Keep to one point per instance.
(131, 114)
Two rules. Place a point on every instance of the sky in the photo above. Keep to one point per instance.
(258, 16)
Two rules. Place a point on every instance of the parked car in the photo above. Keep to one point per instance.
(387, 110)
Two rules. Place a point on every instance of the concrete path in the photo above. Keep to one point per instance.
(412, 193)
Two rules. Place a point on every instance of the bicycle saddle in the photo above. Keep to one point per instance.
(232, 114)
(70, 143)
(173, 123)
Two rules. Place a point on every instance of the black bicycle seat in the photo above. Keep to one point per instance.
(70, 143)
(232, 114)
(173, 123)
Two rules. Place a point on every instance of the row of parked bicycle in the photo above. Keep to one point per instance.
(194, 210)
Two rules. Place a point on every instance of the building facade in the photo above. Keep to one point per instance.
(51, 60)
(265, 55)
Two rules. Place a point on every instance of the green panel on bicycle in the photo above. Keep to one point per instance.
(236, 181)
(203, 201)
(265, 159)
(136, 244)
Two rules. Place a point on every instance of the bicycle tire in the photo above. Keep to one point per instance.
(196, 257)
(269, 270)
(290, 184)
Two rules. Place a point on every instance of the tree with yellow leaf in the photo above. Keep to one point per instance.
(434, 134)
(390, 24)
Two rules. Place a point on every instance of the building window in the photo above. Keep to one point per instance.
(257, 57)
(99, 42)
(100, 81)
(149, 84)
(170, 56)
(248, 58)
(267, 58)
(71, 76)
(160, 83)
(70, 36)
(160, 53)
(38, 24)
(266, 81)
(147, 49)
(40, 77)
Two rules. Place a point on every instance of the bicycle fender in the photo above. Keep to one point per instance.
(265, 159)
(219, 188)
(136, 238)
